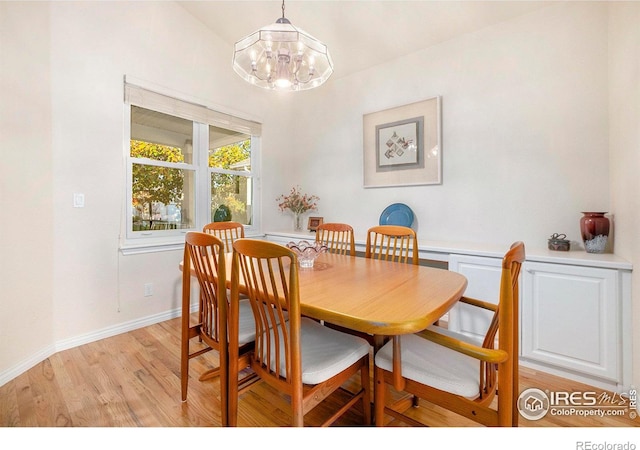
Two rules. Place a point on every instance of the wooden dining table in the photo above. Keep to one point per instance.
(377, 297)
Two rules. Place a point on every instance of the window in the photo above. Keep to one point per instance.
(230, 176)
(187, 165)
(162, 172)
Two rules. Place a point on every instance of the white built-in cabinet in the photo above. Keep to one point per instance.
(575, 307)
(571, 319)
(574, 314)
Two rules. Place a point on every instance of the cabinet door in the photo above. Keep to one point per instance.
(570, 317)
(483, 283)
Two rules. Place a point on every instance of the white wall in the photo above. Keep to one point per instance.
(525, 133)
(94, 45)
(26, 228)
(624, 144)
(63, 65)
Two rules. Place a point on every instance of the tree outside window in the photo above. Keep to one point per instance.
(230, 167)
(157, 191)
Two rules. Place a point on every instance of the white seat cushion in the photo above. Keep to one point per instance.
(246, 323)
(434, 365)
(325, 351)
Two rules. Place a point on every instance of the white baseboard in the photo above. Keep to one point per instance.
(93, 336)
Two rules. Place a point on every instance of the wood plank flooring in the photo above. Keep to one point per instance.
(133, 380)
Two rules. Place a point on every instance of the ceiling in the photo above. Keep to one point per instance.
(365, 33)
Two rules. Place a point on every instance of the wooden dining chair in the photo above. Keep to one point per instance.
(204, 259)
(392, 243)
(299, 357)
(227, 232)
(338, 237)
(451, 371)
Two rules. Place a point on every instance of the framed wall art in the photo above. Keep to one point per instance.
(402, 145)
(314, 223)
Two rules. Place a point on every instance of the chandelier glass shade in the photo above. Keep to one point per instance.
(282, 57)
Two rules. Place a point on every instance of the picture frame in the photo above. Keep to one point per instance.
(314, 223)
(402, 145)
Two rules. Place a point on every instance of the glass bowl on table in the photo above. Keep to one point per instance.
(307, 252)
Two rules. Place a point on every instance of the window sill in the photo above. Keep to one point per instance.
(151, 247)
(164, 245)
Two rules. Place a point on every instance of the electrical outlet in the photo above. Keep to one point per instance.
(148, 289)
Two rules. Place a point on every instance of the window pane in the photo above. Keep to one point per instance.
(229, 150)
(160, 137)
(163, 198)
(231, 198)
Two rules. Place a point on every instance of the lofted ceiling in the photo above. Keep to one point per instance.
(365, 33)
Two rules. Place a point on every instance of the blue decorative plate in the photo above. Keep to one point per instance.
(397, 214)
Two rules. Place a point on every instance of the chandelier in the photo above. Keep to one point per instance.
(282, 57)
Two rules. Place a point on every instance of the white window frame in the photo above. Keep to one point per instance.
(139, 94)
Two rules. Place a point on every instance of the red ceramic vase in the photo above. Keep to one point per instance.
(594, 227)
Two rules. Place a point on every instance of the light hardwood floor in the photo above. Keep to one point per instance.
(133, 380)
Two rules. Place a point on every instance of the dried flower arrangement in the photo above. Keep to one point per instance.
(297, 201)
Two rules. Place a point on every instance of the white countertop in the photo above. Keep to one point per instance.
(440, 251)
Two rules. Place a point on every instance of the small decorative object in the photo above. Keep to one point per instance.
(397, 214)
(298, 203)
(314, 223)
(307, 252)
(594, 227)
(559, 242)
(222, 214)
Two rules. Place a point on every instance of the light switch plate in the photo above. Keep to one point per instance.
(78, 200)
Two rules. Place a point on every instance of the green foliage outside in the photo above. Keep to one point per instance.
(225, 157)
(152, 184)
(229, 190)
(156, 186)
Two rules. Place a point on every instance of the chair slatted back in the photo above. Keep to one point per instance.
(504, 314)
(204, 255)
(227, 232)
(509, 293)
(338, 237)
(392, 243)
(269, 272)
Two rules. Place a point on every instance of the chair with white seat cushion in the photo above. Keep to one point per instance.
(452, 370)
(299, 357)
(204, 260)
